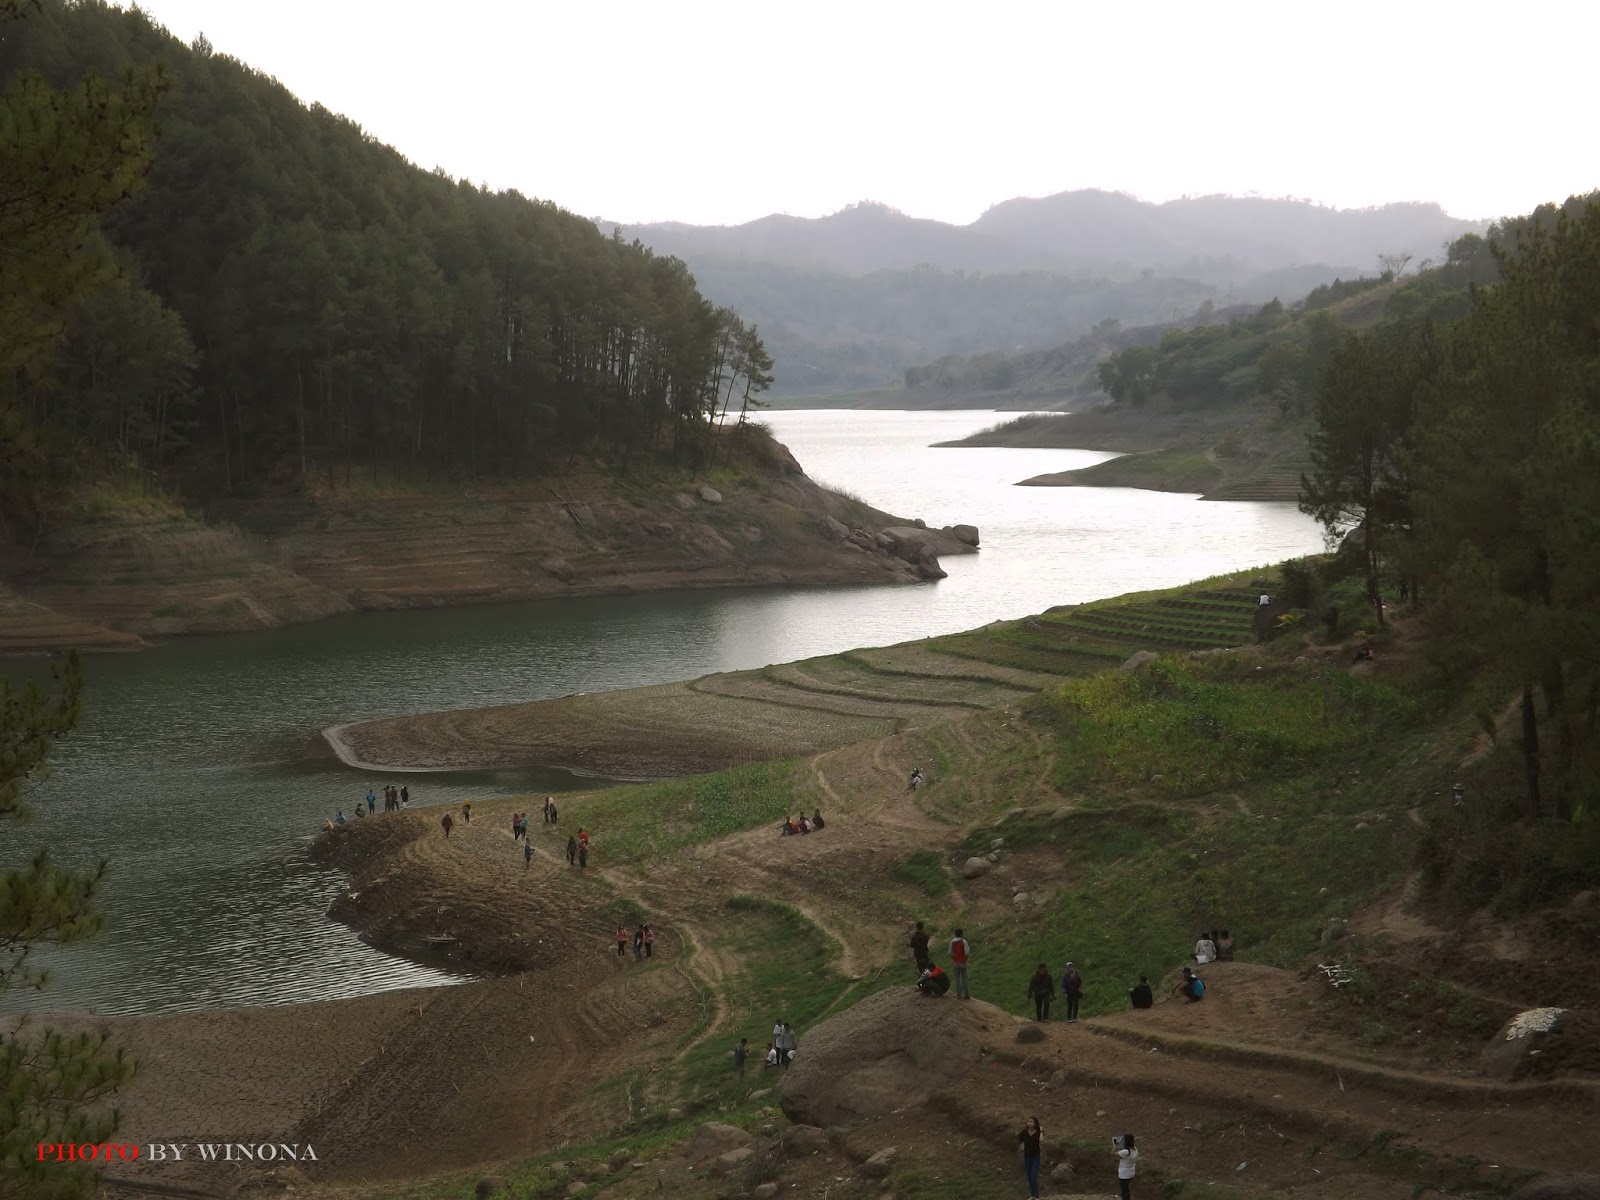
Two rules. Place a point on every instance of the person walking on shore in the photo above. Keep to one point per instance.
(466, 811)
(1041, 990)
(527, 853)
(447, 821)
(622, 940)
(958, 965)
(405, 796)
(572, 851)
(919, 947)
(1029, 1140)
(516, 826)
(1071, 992)
(549, 803)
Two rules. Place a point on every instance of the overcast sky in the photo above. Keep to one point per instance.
(716, 113)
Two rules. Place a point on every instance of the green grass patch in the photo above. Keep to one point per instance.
(1185, 728)
(650, 820)
(926, 869)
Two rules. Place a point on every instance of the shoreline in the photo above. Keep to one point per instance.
(346, 754)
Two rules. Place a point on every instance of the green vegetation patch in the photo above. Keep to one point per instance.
(651, 820)
(1184, 728)
(926, 869)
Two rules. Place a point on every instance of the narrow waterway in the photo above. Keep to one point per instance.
(199, 774)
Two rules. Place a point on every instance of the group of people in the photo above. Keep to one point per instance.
(643, 941)
(802, 823)
(1042, 991)
(394, 799)
(1031, 1140)
(578, 849)
(780, 1050)
(932, 979)
(1213, 947)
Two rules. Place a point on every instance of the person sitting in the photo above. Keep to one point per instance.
(1205, 950)
(1140, 995)
(326, 826)
(1191, 987)
(816, 819)
(772, 1055)
(805, 824)
(786, 827)
(916, 778)
(933, 981)
(1364, 654)
(1225, 946)
(339, 817)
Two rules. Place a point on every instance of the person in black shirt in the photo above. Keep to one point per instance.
(919, 947)
(1029, 1140)
(1140, 994)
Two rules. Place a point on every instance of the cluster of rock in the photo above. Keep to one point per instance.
(915, 544)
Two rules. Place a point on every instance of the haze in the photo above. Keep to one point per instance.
(716, 113)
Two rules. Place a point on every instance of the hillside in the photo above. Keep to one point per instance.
(1071, 812)
(849, 301)
(118, 569)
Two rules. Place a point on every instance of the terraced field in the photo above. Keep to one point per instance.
(819, 704)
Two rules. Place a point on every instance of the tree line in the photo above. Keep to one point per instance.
(285, 299)
(1460, 440)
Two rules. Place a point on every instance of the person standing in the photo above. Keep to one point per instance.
(527, 853)
(958, 965)
(1071, 992)
(372, 803)
(1029, 1140)
(622, 940)
(583, 838)
(572, 851)
(516, 826)
(447, 821)
(405, 796)
(649, 941)
(583, 855)
(1127, 1164)
(741, 1054)
(369, 798)
(784, 1039)
(919, 947)
(466, 811)
(1041, 990)
(638, 943)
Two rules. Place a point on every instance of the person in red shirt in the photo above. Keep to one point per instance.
(958, 964)
(933, 982)
(622, 940)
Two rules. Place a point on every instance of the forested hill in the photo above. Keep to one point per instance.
(297, 300)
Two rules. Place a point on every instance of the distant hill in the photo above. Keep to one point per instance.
(849, 301)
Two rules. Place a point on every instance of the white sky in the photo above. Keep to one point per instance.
(713, 112)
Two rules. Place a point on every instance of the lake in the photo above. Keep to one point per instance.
(199, 772)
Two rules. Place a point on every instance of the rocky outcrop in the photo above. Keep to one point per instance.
(1525, 1045)
(892, 1051)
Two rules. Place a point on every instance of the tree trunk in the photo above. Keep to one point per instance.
(1530, 749)
(1554, 686)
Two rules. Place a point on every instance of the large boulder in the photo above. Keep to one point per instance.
(892, 1051)
(714, 1139)
(709, 494)
(1138, 660)
(967, 534)
(975, 867)
(1521, 1043)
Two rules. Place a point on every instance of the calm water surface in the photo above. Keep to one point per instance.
(198, 769)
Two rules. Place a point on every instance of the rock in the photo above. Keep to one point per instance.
(1031, 1032)
(560, 568)
(576, 1187)
(802, 1139)
(660, 529)
(880, 1164)
(759, 1094)
(993, 856)
(1337, 928)
(675, 1114)
(967, 534)
(885, 542)
(998, 844)
(600, 1169)
(1020, 898)
(735, 1159)
(1138, 660)
(684, 501)
(618, 1160)
(1566, 1187)
(1522, 1042)
(714, 1138)
(974, 867)
(709, 494)
(919, 522)
(765, 1191)
(1062, 813)
(891, 1051)
(1062, 1172)
(1586, 902)
(837, 528)
(488, 1186)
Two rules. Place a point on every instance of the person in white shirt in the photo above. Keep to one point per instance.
(1127, 1163)
(1205, 950)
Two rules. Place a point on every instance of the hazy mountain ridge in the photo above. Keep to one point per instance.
(849, 301)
